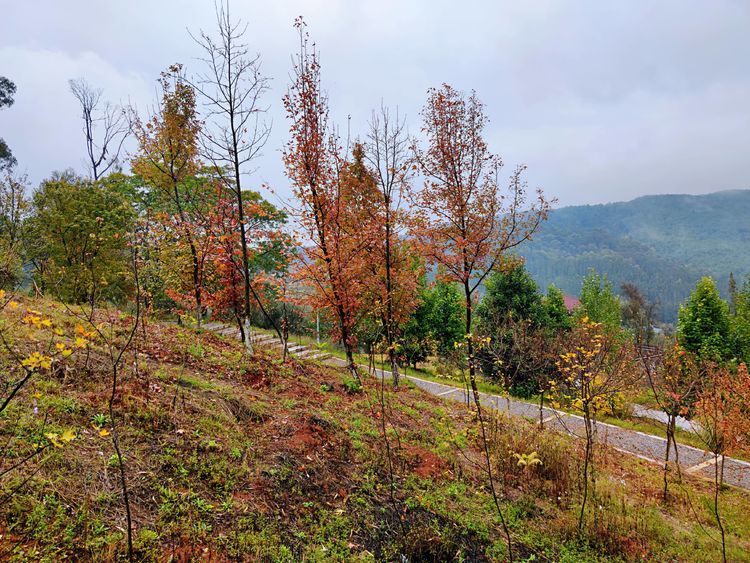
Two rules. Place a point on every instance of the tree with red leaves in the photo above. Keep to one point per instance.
(334, 195)
(269, 251)
(723, 413)
(466, 222)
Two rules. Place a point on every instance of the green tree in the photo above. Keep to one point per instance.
(509, 292)
(556, 315)
(598, 301)
(76, 239)
(7, 90)
(13, 208)
(740, 323)
(703, 322)
(638, 313)
(436, 324)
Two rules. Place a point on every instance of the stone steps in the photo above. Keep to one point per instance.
(264, 340)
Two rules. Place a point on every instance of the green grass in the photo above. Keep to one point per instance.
(427, 373)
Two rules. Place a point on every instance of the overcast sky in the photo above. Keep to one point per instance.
(604, 100)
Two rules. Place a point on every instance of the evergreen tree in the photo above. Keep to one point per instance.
(556, 316)
(598, 301)
(512, 292)
(740, 323)
(703, 322)
(76, 238)
(436, 324)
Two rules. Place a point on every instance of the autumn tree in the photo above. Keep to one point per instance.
(334, 196)
(268, 253)
(722, 410)
(168, 161)
(105, 127)
(674, 378)
(13, 210)
(467, 222)
(596, 368)
(232, 86)
(394, 267)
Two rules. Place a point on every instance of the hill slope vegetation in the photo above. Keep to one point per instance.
(664, 244)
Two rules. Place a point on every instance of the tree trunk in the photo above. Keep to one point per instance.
(717, 515)
(246, 335)
(469, 341)
(541, 410)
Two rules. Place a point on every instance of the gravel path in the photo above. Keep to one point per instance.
(633, 442)
(640, 444)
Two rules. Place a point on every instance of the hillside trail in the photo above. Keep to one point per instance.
(649, 447)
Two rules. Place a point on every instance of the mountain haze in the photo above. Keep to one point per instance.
(662, 243)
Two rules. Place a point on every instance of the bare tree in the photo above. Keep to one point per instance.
(232, 86)
(388, 154)
(104, 125)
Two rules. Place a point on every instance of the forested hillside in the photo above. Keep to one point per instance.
(663, 244)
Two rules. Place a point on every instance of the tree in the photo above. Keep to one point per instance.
(435, 325)
(510, 311)
(232, 86)
(703, 322)
(394, 267)
(76, 239)
(7, 91)
(733, 293)
(510, 292)
(556, 316)
(466, 224)
(335, 196)
(638, 314)
(13, 210)
(740, 323)
(168, 161)
(596, 368)
(598, 302)
(269, 252)
(674, 378)
(105, 127)
(723, 412)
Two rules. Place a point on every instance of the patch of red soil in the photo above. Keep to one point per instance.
(308, 436)
(425, 463)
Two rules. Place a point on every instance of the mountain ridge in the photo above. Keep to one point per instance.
(663, 243)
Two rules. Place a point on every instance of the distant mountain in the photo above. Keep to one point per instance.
(662, 243)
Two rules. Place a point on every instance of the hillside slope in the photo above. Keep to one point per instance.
(230, 458)
(663, 243)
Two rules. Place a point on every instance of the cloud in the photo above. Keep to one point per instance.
(604, 101)
(43, 127)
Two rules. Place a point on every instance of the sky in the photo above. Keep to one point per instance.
(604, 101)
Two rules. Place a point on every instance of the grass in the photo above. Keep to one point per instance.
(257, 460)
(642, 397)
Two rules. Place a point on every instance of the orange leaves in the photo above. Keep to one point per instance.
(723, 408)
(465, 222)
